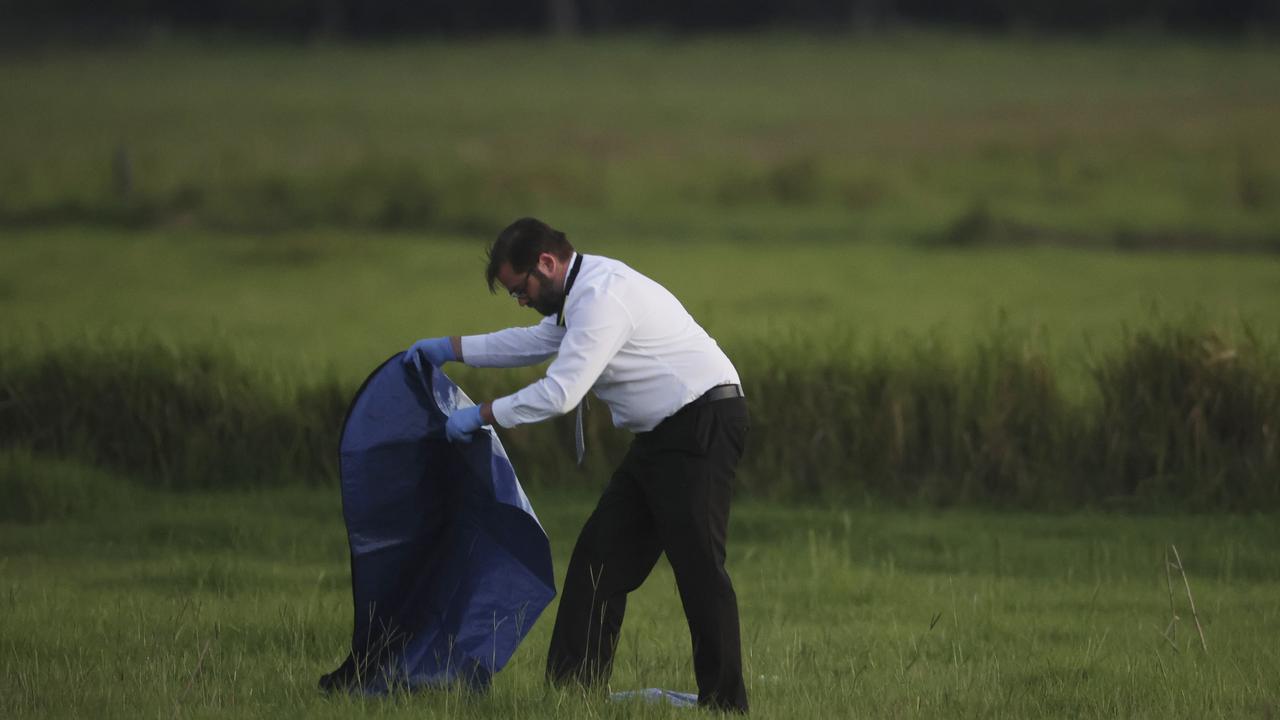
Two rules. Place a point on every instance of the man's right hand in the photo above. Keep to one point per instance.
(437, 351)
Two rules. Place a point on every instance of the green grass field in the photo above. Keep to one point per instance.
(309, 210)
(317, 304)
(784, 186)
(775, 137)
(206, 605)
(779, 184)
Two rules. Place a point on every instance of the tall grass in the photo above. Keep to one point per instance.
(1186, 415)
(1177, 415)
(176, 417)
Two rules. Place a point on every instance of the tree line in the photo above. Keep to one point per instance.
(382, 18)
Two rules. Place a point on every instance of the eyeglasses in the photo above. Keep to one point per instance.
(523, 290)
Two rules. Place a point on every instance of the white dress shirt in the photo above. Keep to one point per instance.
(626, 338)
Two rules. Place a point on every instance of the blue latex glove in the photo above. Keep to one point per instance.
(462, 423)
(438, 351)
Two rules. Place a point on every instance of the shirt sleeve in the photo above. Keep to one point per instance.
(595, 334)
(513, 347)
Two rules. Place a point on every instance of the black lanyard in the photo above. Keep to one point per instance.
(568, 285)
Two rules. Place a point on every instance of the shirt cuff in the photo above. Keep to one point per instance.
(503, 413)
(473, 347)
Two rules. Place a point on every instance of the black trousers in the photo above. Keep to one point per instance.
(670, 494)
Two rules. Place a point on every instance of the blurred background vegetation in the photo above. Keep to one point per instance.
(999, 253)
(1130, 141)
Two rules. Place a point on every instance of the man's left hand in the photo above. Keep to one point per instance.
(462, 423)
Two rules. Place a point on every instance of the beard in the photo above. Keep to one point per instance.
(549, 300)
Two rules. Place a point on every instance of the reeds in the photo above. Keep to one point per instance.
(1177, 415)
(192, 417)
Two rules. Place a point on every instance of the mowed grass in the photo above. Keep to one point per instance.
(326, 303)
(232, 604)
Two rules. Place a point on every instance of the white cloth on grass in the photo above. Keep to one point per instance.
(658, 695)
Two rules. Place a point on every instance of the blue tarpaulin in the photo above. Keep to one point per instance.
(449, 565)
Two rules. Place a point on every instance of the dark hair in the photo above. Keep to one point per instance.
(521, 243)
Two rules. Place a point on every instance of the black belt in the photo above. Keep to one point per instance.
(719, 392)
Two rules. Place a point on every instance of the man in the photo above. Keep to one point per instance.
(626, 338)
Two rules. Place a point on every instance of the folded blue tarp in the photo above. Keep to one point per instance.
(449, 565)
